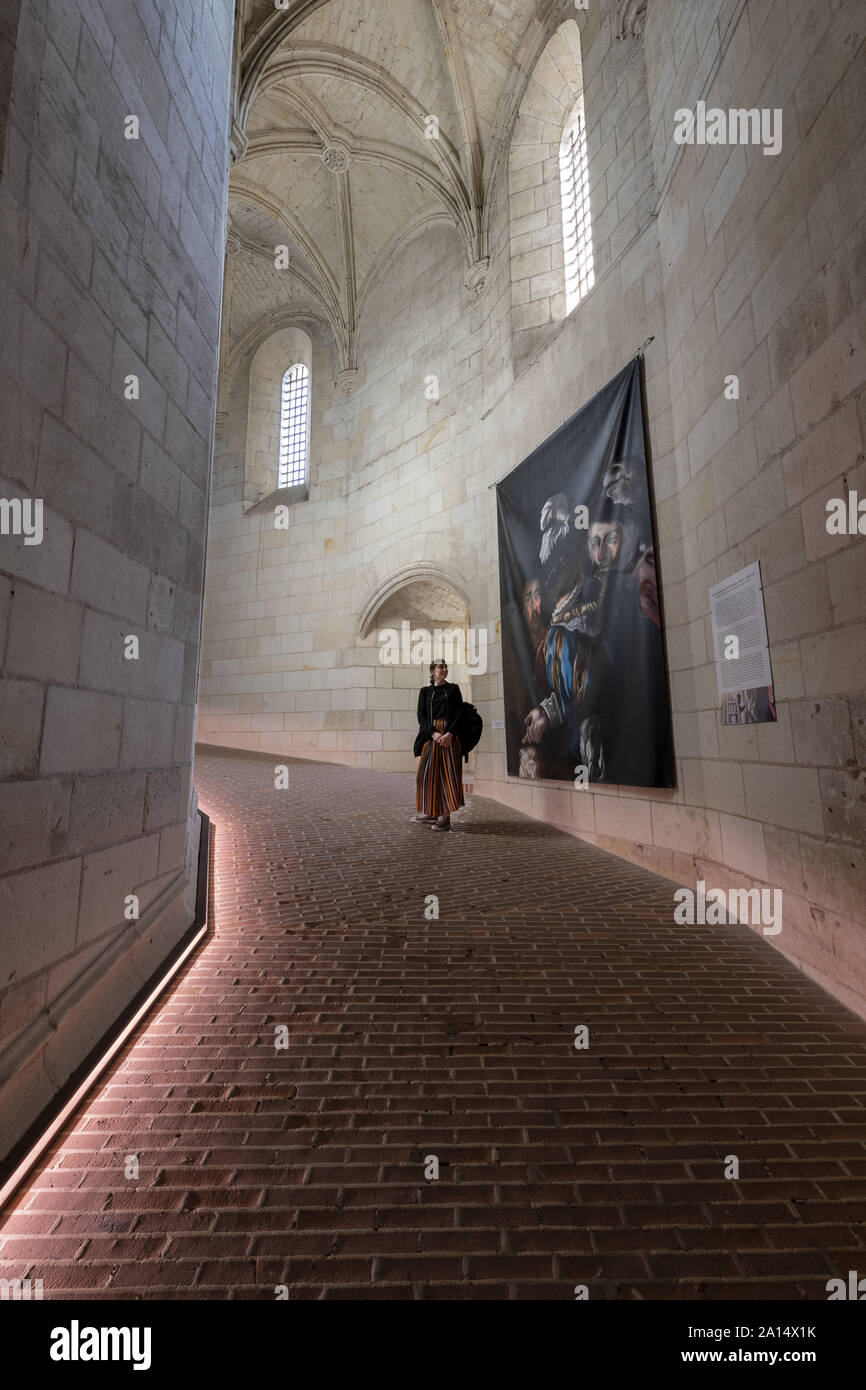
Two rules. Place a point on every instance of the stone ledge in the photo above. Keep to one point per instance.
(281, 496)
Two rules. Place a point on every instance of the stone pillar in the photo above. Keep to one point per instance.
(112, 210)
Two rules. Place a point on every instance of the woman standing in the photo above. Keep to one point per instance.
(439, 787)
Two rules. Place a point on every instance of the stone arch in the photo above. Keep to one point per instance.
(532, 46)
(281, 350)
(435, 239)
(385, 258)
(286, 316)
(415, 614)
(232, 478)
(442, 555)
(401, 579)
(538, 289)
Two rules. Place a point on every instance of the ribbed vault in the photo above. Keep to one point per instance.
(334, 104)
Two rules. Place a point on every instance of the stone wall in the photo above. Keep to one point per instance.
(762, 262)
(737, 263)
(111, 255)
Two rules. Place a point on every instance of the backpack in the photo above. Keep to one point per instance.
(469, 729)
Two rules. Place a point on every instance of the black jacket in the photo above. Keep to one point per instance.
(453, 706)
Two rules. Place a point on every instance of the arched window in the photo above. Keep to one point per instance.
(576, 223)
(294, 426)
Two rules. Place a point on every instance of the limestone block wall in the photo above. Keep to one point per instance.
(111, 253)
(736, 263)
(762, 263)
(302, 679)
(272, 621)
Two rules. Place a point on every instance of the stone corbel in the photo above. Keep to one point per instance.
(346, 381)
(476, 275)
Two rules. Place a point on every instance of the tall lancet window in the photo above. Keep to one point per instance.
(294, 427)
(576, 223)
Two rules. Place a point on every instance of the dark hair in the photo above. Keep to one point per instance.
(607, 512)
(433, 665)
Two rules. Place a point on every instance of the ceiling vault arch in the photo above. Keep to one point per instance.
(265, 42)
(535, 40)
(307, 282)
(375, 152)
(327, 287)
(376, 274)
(325, 60)
(472, 157)
(353, 85)
(299, 98)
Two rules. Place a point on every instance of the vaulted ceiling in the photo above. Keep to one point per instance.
(333, 103)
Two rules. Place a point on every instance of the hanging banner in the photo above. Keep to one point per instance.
(586, 695)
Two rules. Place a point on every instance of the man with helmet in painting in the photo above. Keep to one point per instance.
(604, 638)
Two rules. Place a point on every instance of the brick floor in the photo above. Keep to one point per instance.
(454, 1037)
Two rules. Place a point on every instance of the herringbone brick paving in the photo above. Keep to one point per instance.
(410, 1036)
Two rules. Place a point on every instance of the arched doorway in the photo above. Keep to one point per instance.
(408, 623)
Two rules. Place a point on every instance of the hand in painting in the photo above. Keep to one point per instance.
(536, 725)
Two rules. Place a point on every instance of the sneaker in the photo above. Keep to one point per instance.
(420, 818)
(443, 823)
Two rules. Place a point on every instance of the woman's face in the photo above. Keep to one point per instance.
(440, 673)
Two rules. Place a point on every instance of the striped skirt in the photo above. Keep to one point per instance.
(439, 785)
